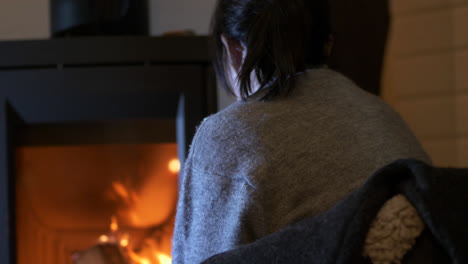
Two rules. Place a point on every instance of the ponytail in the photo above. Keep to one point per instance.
(281, 36)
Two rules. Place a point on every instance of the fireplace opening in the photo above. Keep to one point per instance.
(90, 132)
(74, 201)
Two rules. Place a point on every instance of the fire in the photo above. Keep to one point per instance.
(137, 259)
(138, 211)
(150, 254)
(120, 189)
(124, 241)
(164, 259)
(103, 239)
(114, 226)
(148, 204)
(174, 166)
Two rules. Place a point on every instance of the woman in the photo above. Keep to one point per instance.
(295, 143)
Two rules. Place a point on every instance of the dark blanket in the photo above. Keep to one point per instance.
(440, 195)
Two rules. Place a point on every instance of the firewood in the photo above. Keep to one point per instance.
(102, 254)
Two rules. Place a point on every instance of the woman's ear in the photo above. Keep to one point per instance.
(235, 51)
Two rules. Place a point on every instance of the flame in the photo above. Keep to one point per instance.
(120, 190)
(114, 225)
(158, 258)
(149, 254)
(124, 241)
(163, 258)
(137, 209)
(174, 166)
(137, 259)
(103, 239)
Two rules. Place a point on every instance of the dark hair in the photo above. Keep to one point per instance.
(281, 37)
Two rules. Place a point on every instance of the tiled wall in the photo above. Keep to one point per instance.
(426, 74)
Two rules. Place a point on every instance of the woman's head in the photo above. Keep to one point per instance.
(262, 44)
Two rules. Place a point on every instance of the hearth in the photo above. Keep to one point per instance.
(92, 135)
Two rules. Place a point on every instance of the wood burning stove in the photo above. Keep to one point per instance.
(90, 130)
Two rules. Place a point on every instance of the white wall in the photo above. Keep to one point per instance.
(171, 15)
(24, 19)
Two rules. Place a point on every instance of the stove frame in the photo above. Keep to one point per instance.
(97, 90)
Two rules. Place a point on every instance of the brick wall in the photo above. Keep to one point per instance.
(426, 74)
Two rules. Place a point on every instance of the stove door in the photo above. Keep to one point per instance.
(9, 122)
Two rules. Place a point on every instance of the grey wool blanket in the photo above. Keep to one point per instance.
(258, 167)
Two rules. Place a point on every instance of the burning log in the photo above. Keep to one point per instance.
(102, 254)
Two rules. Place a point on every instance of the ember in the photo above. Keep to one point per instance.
(116, 245)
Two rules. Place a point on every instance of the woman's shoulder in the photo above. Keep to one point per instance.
(227, 139)
(240, 118)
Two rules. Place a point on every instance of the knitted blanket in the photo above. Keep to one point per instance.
(338, 235)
